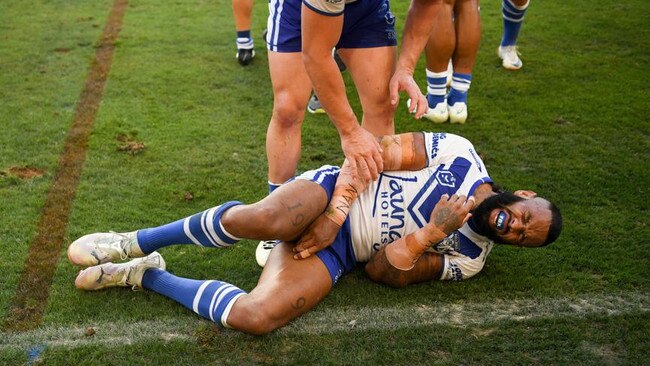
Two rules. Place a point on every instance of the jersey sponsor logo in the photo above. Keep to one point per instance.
(389, 207)
(392, 212)
(435, 141)
(477, 160)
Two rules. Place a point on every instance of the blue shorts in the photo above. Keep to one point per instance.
(339, 257)
(366, 24)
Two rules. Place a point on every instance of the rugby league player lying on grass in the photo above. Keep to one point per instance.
(414, 224)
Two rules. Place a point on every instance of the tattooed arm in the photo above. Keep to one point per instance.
(404, 261)
(400, 152)
(403, 152)
(321, 233)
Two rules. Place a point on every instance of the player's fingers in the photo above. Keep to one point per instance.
(394, 92)
(422, 107)
(363, 170)
(467, 217)
(470, 203)
(445, 197)
(302, 255)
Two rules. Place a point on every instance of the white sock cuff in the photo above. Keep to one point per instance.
(442, 74)
(523, 7)
(226, 311)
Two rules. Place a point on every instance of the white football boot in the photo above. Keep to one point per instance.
(458, 112)
(98, 248)
(510, 57)
(439, 114)
(263, 250)
(128, 274)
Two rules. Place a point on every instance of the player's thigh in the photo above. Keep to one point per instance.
(287, 212)
(286, 289)
(290, 81)
(371, 70)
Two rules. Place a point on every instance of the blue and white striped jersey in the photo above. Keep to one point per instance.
(400, 202)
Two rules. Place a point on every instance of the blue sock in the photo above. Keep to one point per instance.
(513, 17)
(273, 186)
(203, 228)
(244, 40)
(436, 87)
(211, 299)
(459, 87)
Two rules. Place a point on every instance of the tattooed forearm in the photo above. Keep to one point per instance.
(380, 269)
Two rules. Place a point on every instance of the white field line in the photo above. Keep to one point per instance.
(330, 320)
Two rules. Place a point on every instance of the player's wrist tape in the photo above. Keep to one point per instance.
(342, 199)
(404, 252)
(398, 152)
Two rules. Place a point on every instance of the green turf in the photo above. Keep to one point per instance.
(571, 125)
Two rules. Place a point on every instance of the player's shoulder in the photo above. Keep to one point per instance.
(451, 143)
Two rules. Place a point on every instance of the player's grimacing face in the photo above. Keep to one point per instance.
(524, 223)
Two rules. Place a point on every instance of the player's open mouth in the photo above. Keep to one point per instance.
(500, 221)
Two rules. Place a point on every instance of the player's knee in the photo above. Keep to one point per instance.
(254, 318)
(287, 113)
(266, 220)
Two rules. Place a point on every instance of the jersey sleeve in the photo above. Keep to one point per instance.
(457, 268)
(444, 148)
(326, 7)
(462, 258)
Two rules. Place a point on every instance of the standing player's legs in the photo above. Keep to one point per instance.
(468, 34)
(438, 51)
(513, 17)
(243, 12)
(371, 70)
(291, 91)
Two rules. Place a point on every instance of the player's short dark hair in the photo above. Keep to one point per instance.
(555, 228)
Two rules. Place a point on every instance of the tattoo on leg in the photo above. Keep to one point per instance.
(298, 220)
(299, 304)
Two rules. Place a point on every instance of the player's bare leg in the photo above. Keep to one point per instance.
(439, 49)
(371, 70)
(287, 289)
(291, 90)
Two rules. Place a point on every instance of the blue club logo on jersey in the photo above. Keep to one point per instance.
(447, 179)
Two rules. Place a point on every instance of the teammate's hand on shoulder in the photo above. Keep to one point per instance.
(363, 152)
(319, 235)
(451, 213)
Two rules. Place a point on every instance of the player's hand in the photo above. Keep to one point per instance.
(451, 213)
(363, 153)
(403, 80)
(319, 235)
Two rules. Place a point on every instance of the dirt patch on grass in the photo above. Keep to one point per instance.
(27, 305)
(129, 145)
(25, 172)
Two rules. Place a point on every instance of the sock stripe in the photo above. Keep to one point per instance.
(204, 228)
(217, 297)
(188, 232)
(199, 293)
(226, 311)
(211, 308)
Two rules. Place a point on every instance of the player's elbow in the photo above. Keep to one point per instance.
(384, 277)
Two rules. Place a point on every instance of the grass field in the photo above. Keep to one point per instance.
(571, 125)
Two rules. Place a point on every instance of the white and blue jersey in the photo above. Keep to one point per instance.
(366, 23)
(401, 202)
